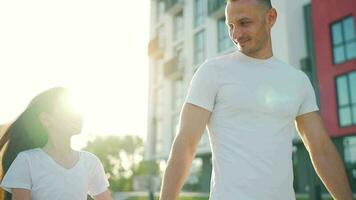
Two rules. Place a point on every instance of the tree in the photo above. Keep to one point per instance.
(120, 156)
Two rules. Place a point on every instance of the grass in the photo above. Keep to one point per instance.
(195, 198)
(182, 198)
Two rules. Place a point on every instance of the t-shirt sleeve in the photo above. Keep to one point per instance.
(18, 175)
(98, 182)
(309, 101)
(203, 87)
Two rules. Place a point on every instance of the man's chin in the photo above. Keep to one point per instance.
(244, 48)
(245, 51)
(248, 51)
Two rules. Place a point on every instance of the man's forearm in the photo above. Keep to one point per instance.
(177, 170)
(331, 170)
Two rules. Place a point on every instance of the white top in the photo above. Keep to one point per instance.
(35, 170)
(254, 104)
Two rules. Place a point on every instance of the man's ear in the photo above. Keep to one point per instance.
(271, 17)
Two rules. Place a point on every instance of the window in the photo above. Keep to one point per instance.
(199, 47)
(159, 137)
(159, 123)
(350, 158)
(180, 55)
(159, 73)
(346, 99)
(161, 37)
(343, 40)
(153, 73)
(178, 26)
(224, 41)
(159, 102)
(160, 10)
(175, 124)
(199, 12)
(177, 95)
(350, 149)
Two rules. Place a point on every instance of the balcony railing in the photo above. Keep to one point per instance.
(156, 48)
(173, 69)
(174, 6)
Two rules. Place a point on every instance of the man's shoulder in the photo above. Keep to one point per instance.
(291, 69)
(218, 61)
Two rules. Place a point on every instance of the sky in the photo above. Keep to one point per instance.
(98, 49)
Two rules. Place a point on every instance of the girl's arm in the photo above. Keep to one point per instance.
(20, 194)
(103, 196)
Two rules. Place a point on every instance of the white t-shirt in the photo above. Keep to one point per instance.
(254, 104)
(35, 170)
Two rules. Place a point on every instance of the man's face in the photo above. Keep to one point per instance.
(249, 24)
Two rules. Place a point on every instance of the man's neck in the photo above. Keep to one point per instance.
(262, 54)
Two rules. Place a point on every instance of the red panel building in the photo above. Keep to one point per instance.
(330, 18)
(333, 54)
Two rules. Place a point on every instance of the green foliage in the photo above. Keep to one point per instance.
(119, 156)
(147, 167)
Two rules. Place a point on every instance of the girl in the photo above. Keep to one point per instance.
(39, 163)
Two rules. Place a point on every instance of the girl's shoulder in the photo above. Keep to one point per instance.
(89, 157)
(91, 162)
(28, 156)
(30, 153)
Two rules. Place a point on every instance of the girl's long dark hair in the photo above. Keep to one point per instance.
(27, 132)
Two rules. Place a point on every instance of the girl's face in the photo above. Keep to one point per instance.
(64, 119)
(66, 122)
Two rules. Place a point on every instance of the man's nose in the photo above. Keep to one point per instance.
(235, 34)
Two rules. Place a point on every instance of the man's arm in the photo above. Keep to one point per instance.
(324, 156)
(192, 125)
(20, 194)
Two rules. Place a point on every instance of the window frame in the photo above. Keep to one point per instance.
(203, 49)
(350, 103)
(343, 43)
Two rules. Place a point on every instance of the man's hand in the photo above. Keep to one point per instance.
(192, 125)
(324, 156)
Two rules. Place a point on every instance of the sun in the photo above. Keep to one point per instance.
(94, 52)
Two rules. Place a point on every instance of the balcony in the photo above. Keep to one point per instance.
(173, 69)
(216, 8)
(174, 6)
(155, 48)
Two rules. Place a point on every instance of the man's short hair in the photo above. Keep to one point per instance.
(266, 3)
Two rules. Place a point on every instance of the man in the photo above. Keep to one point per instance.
(251, 102)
